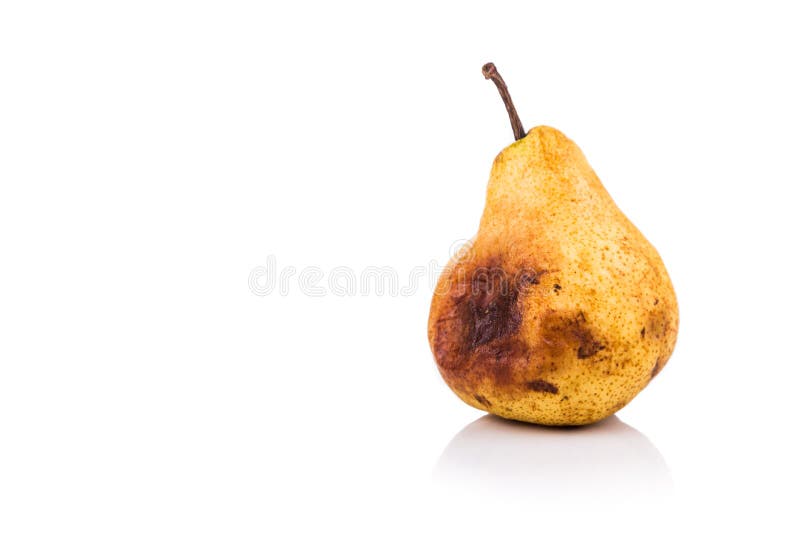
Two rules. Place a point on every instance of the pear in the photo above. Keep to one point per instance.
(558, 311)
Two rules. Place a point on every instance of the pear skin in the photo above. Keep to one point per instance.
(559, 311)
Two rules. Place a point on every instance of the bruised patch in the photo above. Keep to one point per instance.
(658, 323)
(562, 334)
(502, 360)
(542, 385)
(589, 348)
(490, 310)
(476, 337)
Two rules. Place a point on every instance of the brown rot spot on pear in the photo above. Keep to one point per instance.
(641, 332)
(565, 334)
(476, 336)
(588, 346)
(483, 400)
(502, 360)
(543, 386)
(556, 288)
(490, 310)
(658, 323)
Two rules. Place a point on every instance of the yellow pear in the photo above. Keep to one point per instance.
(558, 311)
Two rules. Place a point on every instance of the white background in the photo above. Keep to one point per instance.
(152, 154)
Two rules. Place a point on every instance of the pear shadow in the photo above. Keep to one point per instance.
(606, 460)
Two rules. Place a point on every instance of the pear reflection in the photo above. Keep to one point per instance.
(607, 459)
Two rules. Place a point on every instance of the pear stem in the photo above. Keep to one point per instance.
(490, 73)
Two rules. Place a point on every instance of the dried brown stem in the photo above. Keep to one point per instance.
(490, 73)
